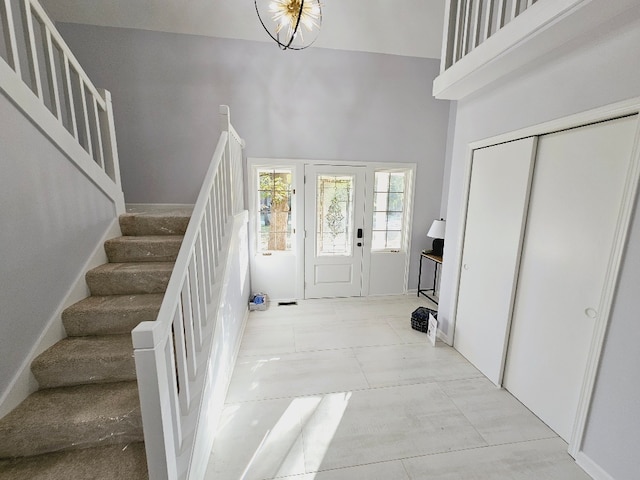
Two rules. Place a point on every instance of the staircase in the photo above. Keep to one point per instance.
(85, 420)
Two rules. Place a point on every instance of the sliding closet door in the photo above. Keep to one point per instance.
(576, 197)
(498, 196)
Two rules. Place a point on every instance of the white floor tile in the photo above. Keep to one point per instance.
(494, 412)
(385, 424)
(410, 364)
(353, 334)
(264, 340)
(258, 441)
(377, 471)
(291, 375)
(535, 460)
(402, 327)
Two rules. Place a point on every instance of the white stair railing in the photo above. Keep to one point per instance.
(173, 353)
(56, 93)
(470, 23)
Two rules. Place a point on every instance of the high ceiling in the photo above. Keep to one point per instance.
(399, 27)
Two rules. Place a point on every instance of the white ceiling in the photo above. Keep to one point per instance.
(399, 27)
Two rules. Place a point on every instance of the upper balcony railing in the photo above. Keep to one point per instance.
(42, 77)
(485, 40)
(472, 22)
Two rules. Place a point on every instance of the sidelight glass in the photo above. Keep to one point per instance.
(274, 209)
(388, 210)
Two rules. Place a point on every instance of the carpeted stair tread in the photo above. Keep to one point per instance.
(129, 278)
(114, 462)
(155, 248)
(171, 222)
(111, 314)
(85, 360)
(71, 418)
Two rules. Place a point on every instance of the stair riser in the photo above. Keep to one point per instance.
(108, 432)
(72, 418)
(110, 315)
(70, 372)
(127, 282)
(120, 252)
(105, 323)
(138, 225)
(101, 463)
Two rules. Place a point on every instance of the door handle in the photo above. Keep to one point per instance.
(359, 235)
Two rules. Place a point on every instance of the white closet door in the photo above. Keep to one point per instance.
(575, 203)
(498, 196)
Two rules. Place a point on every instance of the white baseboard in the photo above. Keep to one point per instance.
(445, 338)
(24, 383)
(592, 468)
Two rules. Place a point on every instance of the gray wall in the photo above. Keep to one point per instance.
(316, 104)
(604, 69)
(52, 219)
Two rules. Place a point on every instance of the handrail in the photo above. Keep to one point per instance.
(172, 353)
(61, 85)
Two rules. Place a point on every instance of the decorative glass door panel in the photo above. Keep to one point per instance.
(334, 224)
(334, 210)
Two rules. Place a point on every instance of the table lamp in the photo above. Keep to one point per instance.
(437, 233)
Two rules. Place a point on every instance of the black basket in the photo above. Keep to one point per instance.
(420, 318)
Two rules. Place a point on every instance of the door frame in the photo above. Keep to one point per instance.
(602, 114)
(299, 166)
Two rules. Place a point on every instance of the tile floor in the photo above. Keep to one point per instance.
(345, 389)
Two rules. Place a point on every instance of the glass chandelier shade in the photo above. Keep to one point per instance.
(292, 24)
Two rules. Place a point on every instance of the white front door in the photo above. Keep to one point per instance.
(334, 230)
(575, 204)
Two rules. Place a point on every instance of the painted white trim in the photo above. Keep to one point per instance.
(623, 227)
(342, 163)
(23, 382)
(617, 110)
(445, 338)
(205, 437)
(297, 173)
(591, 467)
(542, 28)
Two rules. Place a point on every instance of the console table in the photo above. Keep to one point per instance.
(423, 291)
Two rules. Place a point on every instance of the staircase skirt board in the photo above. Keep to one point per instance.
(85, 421)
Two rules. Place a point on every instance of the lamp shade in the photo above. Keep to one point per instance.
(437, 229)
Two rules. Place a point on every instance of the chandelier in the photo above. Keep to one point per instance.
(292, 24)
